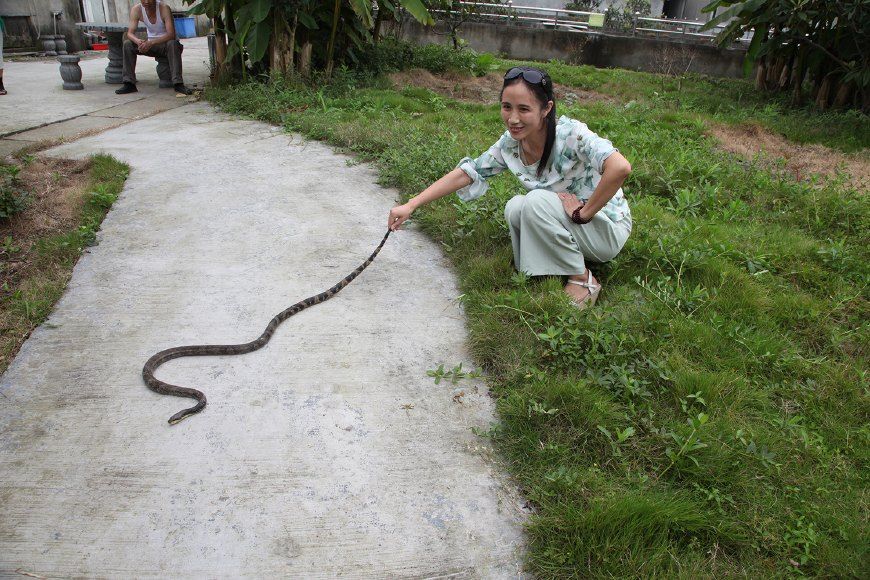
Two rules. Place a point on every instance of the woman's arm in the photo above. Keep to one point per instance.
(616, 169)
(448, 184)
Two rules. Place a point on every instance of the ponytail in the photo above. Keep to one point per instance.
(551, 139)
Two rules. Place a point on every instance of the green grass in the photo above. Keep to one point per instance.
(708, 417)
(30, 293)
(723, 100)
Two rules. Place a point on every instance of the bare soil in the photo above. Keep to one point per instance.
(751, 141)
(483, 89)
(55, 187)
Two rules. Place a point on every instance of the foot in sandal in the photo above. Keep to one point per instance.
(583, 289)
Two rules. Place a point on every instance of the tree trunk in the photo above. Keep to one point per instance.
(291, 49)
(276, 47)
(332, 35)
(376, 32)
(784, 74)
(220, 49)
(844, 94)
(236, 62)
(305, 58)
(760, 73)
(772, 73)
(824, 93)
(798, 78)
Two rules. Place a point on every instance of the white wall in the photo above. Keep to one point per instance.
(656, 5)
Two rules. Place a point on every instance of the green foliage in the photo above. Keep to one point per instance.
(391, 55)
(705, 418)
(13, 199)
(825, 39)
(30, 295)
(437, 58)
(584, 5)
(622, 17)
(258, 24)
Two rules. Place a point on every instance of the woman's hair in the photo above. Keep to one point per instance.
(543, 92)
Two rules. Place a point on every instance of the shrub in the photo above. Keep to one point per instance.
(391, 55)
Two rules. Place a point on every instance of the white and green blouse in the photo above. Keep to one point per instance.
(578, 158)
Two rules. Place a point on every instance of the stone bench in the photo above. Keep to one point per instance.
(71, 72)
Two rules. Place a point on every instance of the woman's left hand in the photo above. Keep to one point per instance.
(569, 202)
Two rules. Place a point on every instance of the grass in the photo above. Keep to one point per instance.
(708, 417)
(45, 262)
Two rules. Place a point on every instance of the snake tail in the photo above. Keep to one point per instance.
(163, 356)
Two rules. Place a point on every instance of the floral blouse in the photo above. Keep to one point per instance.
(577, 159)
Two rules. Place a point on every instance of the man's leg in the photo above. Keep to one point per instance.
(128, 73)
(131, 51)
(173, 51)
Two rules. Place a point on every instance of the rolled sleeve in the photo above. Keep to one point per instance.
(479, 170)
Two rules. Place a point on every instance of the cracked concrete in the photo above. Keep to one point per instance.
(328, 452)
(38, 109)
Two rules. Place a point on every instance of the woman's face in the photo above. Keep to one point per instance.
(522, 112)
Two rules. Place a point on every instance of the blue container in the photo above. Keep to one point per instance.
(185, 26)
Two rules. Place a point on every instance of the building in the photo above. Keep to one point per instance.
(28, 20)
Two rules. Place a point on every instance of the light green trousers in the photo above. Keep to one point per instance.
(547, 242)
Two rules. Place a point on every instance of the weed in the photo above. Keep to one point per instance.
(455, 374)
(13, 199)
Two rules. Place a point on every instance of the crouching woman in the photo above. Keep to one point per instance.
(574, 212)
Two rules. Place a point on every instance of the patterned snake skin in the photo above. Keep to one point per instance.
(224, 349)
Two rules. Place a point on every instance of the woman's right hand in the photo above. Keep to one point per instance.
(398, 215)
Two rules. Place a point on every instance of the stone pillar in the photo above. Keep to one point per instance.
(49, 46)
(70, 72)
(115, 68)
(60, 43)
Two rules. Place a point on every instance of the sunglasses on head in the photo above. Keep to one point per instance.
(535, 77)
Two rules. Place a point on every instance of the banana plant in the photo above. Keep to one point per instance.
(256, 24)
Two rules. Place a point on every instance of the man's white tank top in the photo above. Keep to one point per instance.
(157, 28)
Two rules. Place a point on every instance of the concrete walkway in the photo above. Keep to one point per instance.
(38, 109)
(327, 453)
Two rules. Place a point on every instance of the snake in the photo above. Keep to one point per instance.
(163, 356)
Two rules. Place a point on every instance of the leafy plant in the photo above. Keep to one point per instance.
(686, 446)
(13, 199)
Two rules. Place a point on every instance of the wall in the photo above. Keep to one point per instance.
(634, 53)
(41, 19)
(40, 11)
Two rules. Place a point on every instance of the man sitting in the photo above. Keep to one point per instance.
(161, 42)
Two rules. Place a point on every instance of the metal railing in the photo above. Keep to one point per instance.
(592, 22)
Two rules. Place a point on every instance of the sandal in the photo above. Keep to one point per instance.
(594, 288)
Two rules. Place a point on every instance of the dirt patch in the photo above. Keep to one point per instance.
(55, 188)
(483, 89)
(752, 141)
(28, 284)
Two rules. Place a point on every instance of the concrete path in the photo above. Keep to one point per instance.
(38, 109)
(327, 453)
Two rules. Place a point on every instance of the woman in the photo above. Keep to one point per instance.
(575, 210)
